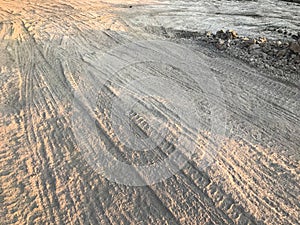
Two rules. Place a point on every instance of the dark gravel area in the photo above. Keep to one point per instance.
(279, 58)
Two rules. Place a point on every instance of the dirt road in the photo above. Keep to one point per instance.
(78, 79)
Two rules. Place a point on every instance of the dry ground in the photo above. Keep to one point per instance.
(48, 47)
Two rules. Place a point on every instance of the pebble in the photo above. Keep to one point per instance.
(221, 42)
(249, 42)
(262, 40)
(208, 34)
(264, 55)
(282, 53)
(233, 34)
(278, 43)
(254, 46)
(221, 34)
(295, 47)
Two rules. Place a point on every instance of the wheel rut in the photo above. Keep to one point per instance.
(51, 51)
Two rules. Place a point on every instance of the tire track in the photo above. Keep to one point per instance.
(216, 216)
(250, 184)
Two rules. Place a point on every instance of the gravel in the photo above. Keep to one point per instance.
(280, 59)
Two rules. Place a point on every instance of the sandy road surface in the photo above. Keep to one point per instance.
(51, 52)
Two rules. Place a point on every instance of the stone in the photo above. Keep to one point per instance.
(282, 53)
(208, 34)
(231, 34)
(278, 43)
(264, 55)
(254, 46)
(295, 47)
(266, 48)
(221, 42)
(262, 40)
(249, 42)
(221, 34)
(297, 59)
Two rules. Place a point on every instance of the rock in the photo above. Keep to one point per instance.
(249, 42)
(297, 59)
(231, 34)
(278, 43)
(280, 31)
(295, 47)
(208, 34)
(264, 55)
(262, 40)
(285, 45)
(254, 46)
(228, 35)
(221, 34)
(282, 53)
(221, 42)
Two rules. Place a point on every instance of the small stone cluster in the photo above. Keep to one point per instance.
(280, 58)
(260, 52)
(224, 39)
